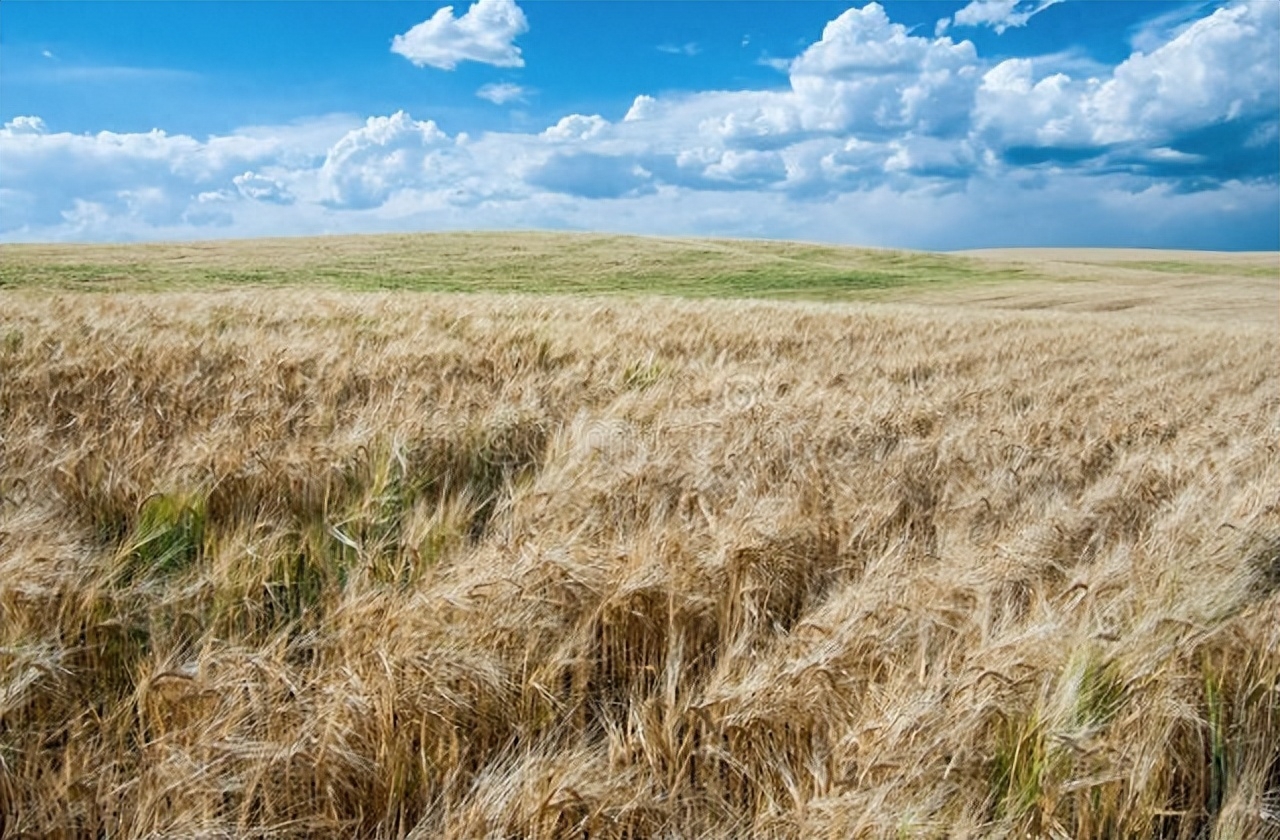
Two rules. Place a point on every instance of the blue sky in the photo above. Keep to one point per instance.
(926, 124)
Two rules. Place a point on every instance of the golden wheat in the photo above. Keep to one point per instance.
(286, 564)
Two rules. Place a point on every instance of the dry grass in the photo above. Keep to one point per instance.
(285, 564)
(1200, 285)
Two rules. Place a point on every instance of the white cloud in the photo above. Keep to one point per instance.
(862, 42)
(641, 108)
(1223, 69)
(500, 93)
(485, 34)
(769, 120)
(1017, 109)
(147, 177)
(24, 125)
(257, 187)
(388, 154)
(748, 168)
(1000, 14)
(869, 76)
(577, 127)
(301, 143)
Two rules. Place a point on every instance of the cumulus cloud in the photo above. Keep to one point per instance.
(388, 154)
(766, 121)
(1221, 68)
(485, 34)
(257, 187)
(1016, 109)
(1210, 97)
(870, 76)
(577, 127)
(1000, 14)
(24, 125)
(150, 177)
(748, 168)
(500, 93)
(641, 108)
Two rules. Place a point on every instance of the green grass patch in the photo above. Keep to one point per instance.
(1203, 268)
(168, 538)
(549, 263)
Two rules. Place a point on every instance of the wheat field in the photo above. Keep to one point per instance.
(297, 562)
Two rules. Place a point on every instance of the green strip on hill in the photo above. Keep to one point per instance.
(559, 263)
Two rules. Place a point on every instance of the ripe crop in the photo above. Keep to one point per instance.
(285, 563)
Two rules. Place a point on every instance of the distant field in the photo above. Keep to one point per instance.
(1195, 284)
(1229, 286)
(494, 262)
(965, 546)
